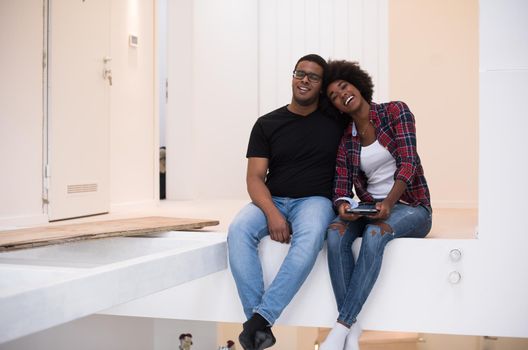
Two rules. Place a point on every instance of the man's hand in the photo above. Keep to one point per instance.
(279, 228)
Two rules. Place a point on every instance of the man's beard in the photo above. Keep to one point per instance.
(306, 102)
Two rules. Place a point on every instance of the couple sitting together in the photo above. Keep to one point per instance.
(305, 162)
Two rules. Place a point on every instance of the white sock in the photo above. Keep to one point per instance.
(336, 338)
(352, 339)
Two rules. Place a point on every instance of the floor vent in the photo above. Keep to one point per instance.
(82, 188)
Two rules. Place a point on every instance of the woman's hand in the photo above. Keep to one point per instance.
(384, 209)
(343, 215)
(385, 206)
(279, 228)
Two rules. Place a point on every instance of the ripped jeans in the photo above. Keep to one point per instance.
(353, 281)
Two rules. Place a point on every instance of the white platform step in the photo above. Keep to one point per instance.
(48, 286)
(413, 292)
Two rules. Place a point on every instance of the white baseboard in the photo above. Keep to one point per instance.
(15, 222)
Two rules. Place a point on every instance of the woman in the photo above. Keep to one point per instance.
(377, 158)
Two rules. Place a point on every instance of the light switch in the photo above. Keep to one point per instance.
(133, 40)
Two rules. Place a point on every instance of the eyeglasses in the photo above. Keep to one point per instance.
(300, 74)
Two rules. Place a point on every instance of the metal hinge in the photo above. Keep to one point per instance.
(44, 60)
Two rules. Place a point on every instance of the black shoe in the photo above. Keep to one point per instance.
(246, 340)
(264, 339)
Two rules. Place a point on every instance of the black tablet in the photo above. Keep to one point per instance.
(362, 211)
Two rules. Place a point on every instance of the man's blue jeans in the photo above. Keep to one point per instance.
(353, 281)
(309, 218)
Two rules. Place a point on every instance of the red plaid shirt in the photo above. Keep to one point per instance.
(395, 130)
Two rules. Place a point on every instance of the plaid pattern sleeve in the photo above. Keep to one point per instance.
(403, 126)
(404, 149)
(343, 173)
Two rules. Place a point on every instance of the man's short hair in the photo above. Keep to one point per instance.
(315, 59)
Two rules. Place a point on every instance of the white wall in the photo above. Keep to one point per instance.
(225, 93)
(179, 133)
(21, 36)
(133, 137)
(336, 29)
(212, 96)
(133, 123)
(503, 161)
(162, 40)
(238, 66)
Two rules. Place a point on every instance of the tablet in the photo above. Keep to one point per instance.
(362, 211)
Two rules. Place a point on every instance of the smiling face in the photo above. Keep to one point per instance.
(306, 92)
(345, 96)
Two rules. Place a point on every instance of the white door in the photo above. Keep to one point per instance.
(78, 108)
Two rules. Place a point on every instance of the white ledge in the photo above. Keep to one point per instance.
(48, 286)
(145, 277)
(413, 292)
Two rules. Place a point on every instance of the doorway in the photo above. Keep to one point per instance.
(79, 79)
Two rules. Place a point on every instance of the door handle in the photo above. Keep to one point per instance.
(107, 74)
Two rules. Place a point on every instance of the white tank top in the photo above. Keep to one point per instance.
(379, 166)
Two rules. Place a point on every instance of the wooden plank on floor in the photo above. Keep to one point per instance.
(46, 235)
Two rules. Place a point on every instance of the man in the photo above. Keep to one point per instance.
(291, 163)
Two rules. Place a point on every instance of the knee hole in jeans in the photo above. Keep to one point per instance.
(339, 226)
(384, 228)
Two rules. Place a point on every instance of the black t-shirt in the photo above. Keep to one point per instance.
(301, 151)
